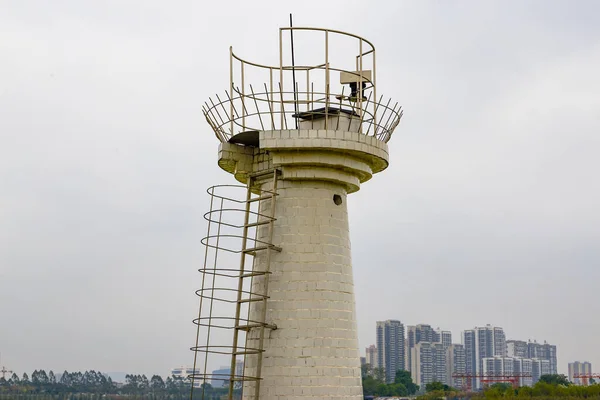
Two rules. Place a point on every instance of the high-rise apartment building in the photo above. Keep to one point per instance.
(428, 363)
(444, 337)
(543, 351)
(421, 369)
(424, 333)
(534, 368)
(517, 348)
(524, 366)
(469, 343)
(539, 367)
(455, 364)
(576, 368)
(497, 366)
(390, 347)
(480, 343)
(438, 357)
(371, 356)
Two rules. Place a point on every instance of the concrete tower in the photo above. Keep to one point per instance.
(311, 135)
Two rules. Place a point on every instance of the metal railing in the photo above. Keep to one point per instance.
(290, 89)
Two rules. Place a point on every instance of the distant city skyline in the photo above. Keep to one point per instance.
(432, 357)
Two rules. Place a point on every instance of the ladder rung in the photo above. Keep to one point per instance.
(255, 273)
(251, 300)
(250, 326)
(238, 353)
(259, 198)
(253, 224)
(253, 250)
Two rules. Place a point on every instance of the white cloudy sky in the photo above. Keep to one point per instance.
(488, 213)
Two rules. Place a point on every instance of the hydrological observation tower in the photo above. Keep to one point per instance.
(277, 295)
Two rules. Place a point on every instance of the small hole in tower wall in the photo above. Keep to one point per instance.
(337, 199)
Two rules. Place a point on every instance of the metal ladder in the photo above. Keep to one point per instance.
(246, 297)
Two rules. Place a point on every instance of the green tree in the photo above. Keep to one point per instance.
(51, 378)
(144, 384)
(433, 386)
(65, 379)
(157, 385)
(370, 385)
(403, 377)
(379, 374)
(555, 379)
(366, 370)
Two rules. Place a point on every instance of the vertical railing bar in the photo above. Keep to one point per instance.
(293, 71)
(337, 126)
(206, 249)
(271, 108)
(231, 101)
(312, 103)
(374, 86)
(257, 109)
(243, 96)
(269, 102)
(385, 109)
(223, 107)
(212, 294)
(307, 89)
(283, 107)
(374, 113)
(360, 81)
(213, 124)
(326, 78)
(231, 85)
(391, 115)
(217, 111)
(362, 118)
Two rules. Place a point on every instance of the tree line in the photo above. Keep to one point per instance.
(93, 384)
(548, 387)
(553, 386)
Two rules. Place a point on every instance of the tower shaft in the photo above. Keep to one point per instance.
(313, 352)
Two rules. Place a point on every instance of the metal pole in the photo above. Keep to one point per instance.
(294, 71)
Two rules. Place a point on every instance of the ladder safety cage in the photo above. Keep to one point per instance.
(240, 227)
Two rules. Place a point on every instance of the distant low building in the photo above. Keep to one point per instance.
(184, 373)
(221, 376)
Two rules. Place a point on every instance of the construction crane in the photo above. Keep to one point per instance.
(487, 379)
(586, 377)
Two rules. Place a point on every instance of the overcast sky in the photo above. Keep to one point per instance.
(488, 213)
